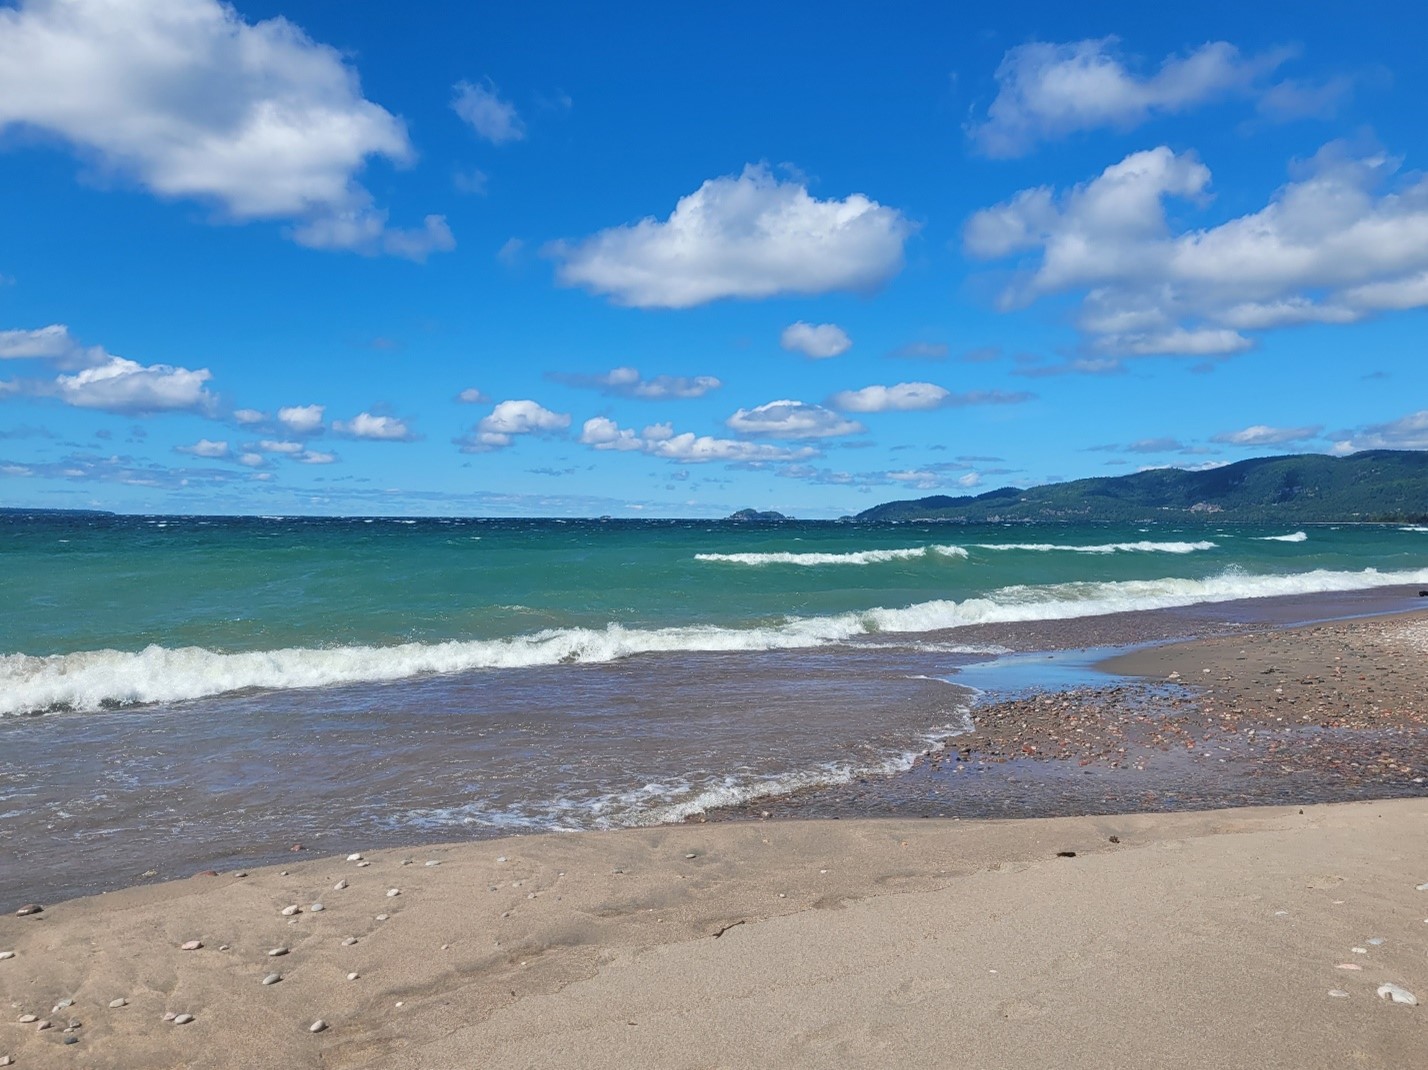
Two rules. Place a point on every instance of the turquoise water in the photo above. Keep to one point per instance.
(214, 689)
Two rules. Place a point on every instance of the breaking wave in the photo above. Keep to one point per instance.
(97, 679)
(856, 557)
(1298, 536)
(1142, 547)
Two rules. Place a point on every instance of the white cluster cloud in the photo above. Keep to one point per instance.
(912, 397)
(302, 419)
(482, 108)
(817, 341)
(747, 236)
(380, 428)
(1264, 435)
(98, 379)
(627, 382)
(1337, 245)
(192, 101)
(660, 440)
(472, 396)
(1406, 433)
(1046, 91)
(508, 419)
(792, 419)
(206, 448)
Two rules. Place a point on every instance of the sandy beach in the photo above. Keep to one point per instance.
(1251, 937)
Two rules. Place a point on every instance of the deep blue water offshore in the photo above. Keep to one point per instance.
(183, 691)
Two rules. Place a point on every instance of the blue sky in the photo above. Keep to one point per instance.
(568, 260)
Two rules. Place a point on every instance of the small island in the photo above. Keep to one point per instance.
(757, 516)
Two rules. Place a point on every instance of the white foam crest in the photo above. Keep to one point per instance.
(1141, 547)
(91, 680)
(1297, 536)
(854, 557)
(1414, 527)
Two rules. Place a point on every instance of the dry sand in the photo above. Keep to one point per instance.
(1199, 940)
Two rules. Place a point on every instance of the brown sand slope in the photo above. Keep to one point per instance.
(1204, 940)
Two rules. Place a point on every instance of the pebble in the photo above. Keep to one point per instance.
(363, 865)
(7, 955)
(182, 1019)
(5, 1060)
(191, 945)
(1338, 993)
(272, 978)
(354, 857)
(1348, 966)
(170, 1016)
(382, 917)
(1375, 940)
(288, 912)
(317, 908)
(349, 941)
(1422, 888)
(71, 1040)
(434, 862)
(691, 855)
(43, 1024)
(406, 861)
(277, 951)
(62, 1004)
(115, 1004)
(26, 1019)
(1397, 994)
(1359, 950)
(241, 873)
(339, 886)
(353, 976)
(502, 858)
(28, 909)
(317, 1026)
(393, 892)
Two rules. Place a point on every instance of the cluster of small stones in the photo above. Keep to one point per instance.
(71, 1026)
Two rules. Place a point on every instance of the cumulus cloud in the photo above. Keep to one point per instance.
(908, 397)
(191, 101)
(206, 448)
(302, 419)
(660, 440)
(1406, 433)
(472, 396)
(100, 380)
(628, 383)
(748, 236)
(818, 341)
(381, 428)
(247, 417)
(482, 109)
(315, 457)
(791, 419)
(289, 449)
(1264, 435)
(508, 419)
(1047, 91)
(1346, 240)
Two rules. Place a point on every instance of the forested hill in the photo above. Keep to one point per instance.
(1376, 485)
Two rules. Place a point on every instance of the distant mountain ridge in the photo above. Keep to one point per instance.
(1375, 485)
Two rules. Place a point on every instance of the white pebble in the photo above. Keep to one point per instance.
(1359, 950)
(26, 1019)
(272, 978)
(339, 886)
(433, 862)
(500, 858)
(1423, 888)
(169, 1016)
(391, 892)
(115, 1004)
(363, 865)
(317, 908)
(382, 917)
(1398, 995)
(317, 1026)
(289, 911)
(1338, 993)
(182, 1019)
(354, 857)
(191, 945)
(1375, 940)
(5, 1060)
(7, 954)
(691, 855)
(277, 951)
(349, 941)
(353, 976)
